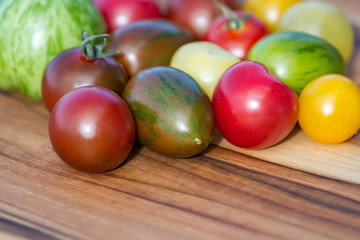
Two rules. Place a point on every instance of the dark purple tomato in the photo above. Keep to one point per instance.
(148, 43)
(92, 129)
(70, 69)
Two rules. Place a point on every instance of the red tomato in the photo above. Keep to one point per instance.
(194, 15)
(237, 32)
(70, 69)
(92, 129)
(118, 13)
(253, 109)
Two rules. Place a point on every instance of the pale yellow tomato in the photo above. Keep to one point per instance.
(330, 109)
(269, 11)
(321, 19)
(204, 61)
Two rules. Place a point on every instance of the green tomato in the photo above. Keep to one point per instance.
(35, 31)
(204, 61)
(321, 19)
(297, 58)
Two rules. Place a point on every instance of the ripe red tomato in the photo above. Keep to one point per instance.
(253, 109)
(92, 129)
(194, 15)
(70, 69)
(237, 32)
(118, 13)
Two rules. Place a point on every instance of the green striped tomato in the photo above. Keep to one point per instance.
(173, 115)
(297, 58)
(32, 32)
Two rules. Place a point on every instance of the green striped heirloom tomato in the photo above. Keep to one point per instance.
(204, 61)
(321, 19)
(253, 109)
(297, 58)
(173, 115)
(330, 109)
(32, 32)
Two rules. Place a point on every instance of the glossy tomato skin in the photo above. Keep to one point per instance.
(92, 129)
(173, 115)
(70, 69)
(322, 19)
(197, 15)
(237, 41)
(253, 109)
(194, 15)
(297, 58)
(204, 61)
(118, 13)
(330, 109)
(148, 43)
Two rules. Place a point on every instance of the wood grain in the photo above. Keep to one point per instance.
(224, 193)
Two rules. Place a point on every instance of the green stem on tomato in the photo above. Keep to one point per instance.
(92, 52)
(235, 23)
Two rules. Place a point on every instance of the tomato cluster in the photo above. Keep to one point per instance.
(168, 77)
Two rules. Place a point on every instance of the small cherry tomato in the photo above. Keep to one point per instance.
(236, 31)
(269, 11)
(253, 109)
(118, 13)
(72, 69)
(92, 129)
(330, 109)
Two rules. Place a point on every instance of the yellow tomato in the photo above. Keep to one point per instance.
(203, 61)
(269, 11)
(330, 109)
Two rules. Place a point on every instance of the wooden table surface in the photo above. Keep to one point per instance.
(298, 189)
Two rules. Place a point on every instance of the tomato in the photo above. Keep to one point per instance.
(118, 13)
(173, 115)
(236, 31)
(297, 58)
(330, 109)
(147, 43)
(72, 69)
(321, 19)
(269, 11)
(36, 31)
(204, 61)
(253, 109)
(196, 15)
(92, 129)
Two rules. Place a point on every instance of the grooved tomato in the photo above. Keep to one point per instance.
(330, 109)
(253, 109)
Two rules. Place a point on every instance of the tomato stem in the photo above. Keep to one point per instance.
(235, 23)
(92, 52)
